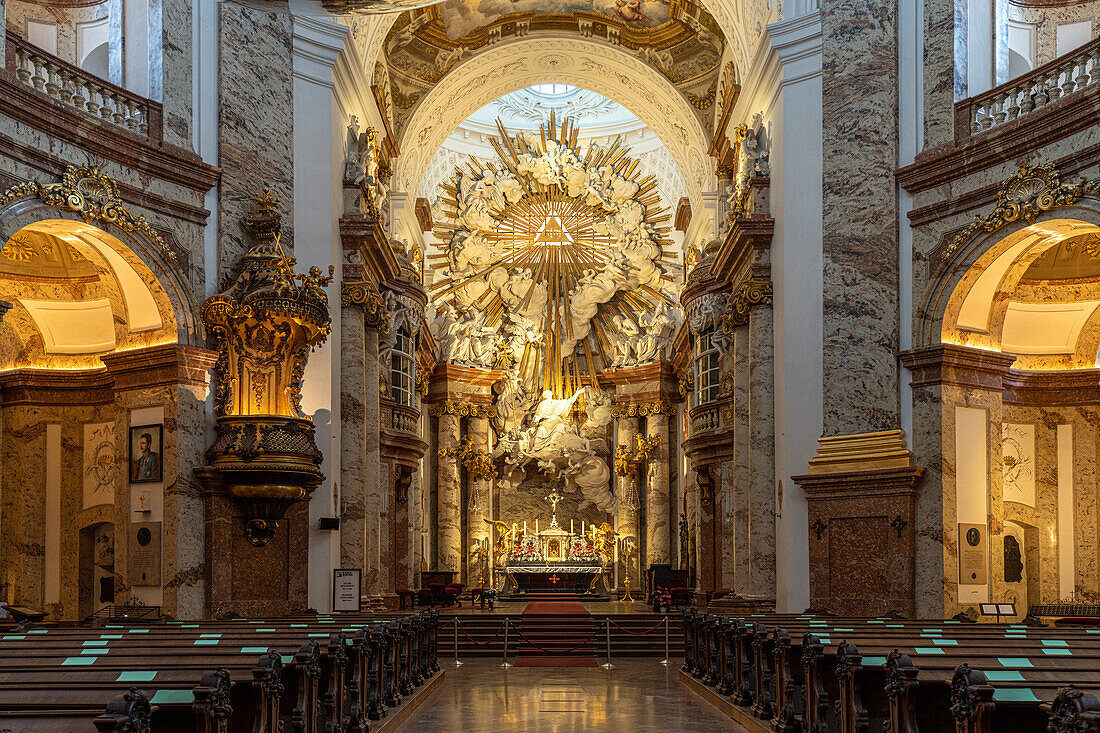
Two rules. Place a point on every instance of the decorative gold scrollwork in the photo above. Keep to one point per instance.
(363, 294)
(460, 409)
(93, 195)
(659, 407)
(751, 294)
(1031, 191)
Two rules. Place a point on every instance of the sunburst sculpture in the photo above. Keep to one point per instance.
(552, 255)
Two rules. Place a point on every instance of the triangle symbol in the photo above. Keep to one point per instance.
(552, 232)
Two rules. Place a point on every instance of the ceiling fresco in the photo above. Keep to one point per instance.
(677, 38)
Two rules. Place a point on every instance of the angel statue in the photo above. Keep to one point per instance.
(500, 546)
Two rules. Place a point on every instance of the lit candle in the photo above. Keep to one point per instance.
(582, 528)
(524, 527)
(570, 527)
(536, 525)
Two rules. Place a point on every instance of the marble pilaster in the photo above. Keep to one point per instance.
(449, 521)
(353, 448)
(373, 502)
(478, 507)
(659, 526)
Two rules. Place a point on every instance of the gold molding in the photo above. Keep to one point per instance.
(1029, 192)
(643, 409)
(363, 294)
(93, 195)
(861, 452)
(436, 409)
(751, 294)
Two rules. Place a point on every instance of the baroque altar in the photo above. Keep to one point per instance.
(554, 560)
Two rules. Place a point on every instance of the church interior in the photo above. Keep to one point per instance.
(549, 365)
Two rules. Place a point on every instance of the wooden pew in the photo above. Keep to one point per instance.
(800, 672)
(322, 688)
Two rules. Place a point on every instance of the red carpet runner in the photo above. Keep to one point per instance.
(556, 633)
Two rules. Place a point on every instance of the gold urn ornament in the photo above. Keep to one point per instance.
(264, 327)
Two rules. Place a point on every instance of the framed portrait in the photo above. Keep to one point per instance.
(146, 455)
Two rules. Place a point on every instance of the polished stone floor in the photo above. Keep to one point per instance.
(637, 696)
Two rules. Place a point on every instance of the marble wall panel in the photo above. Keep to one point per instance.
(170, 48)
(859, 242)
(254, 145)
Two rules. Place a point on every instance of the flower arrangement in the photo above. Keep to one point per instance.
(527, 551)
(662, 600)
(580, 549)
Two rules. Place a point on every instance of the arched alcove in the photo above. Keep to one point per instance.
(520, 63)
(77, 293)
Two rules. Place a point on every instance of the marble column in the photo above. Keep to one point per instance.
(353, 446)
(691, 511)
(478, 507)
(658, 526)
(760, 580)
(628, 503)
(372, 467)
(449, 523)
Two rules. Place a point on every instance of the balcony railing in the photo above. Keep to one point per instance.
(406, 419)
(81, 90)
(1068, 74)
(704, 418)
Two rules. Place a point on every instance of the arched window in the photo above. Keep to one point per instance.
(402, 368)
(706, 368)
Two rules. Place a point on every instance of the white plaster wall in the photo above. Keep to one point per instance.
(318, 172)
(792, 74)
(972, 484)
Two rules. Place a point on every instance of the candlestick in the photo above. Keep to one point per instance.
(536, 525)
(570, 527)
(525, 528)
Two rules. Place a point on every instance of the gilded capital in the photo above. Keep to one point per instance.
(363, 294)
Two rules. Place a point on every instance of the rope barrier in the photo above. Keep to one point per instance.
(557, 651)
(639, 633)
(480, 643)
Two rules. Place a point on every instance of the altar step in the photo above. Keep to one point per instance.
(557, 631)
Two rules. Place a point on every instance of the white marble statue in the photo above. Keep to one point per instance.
(550, 421)
(625, 340)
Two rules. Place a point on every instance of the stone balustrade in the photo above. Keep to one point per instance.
(705, 417)
(1071, 73)
(405, 419)
(81, 90)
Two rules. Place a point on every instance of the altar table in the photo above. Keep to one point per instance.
(554, 578)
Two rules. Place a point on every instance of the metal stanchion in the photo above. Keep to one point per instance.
(665, 660)
(607, 625)
(504, 662)
(457, 663)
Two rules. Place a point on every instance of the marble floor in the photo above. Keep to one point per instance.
(638, 695)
